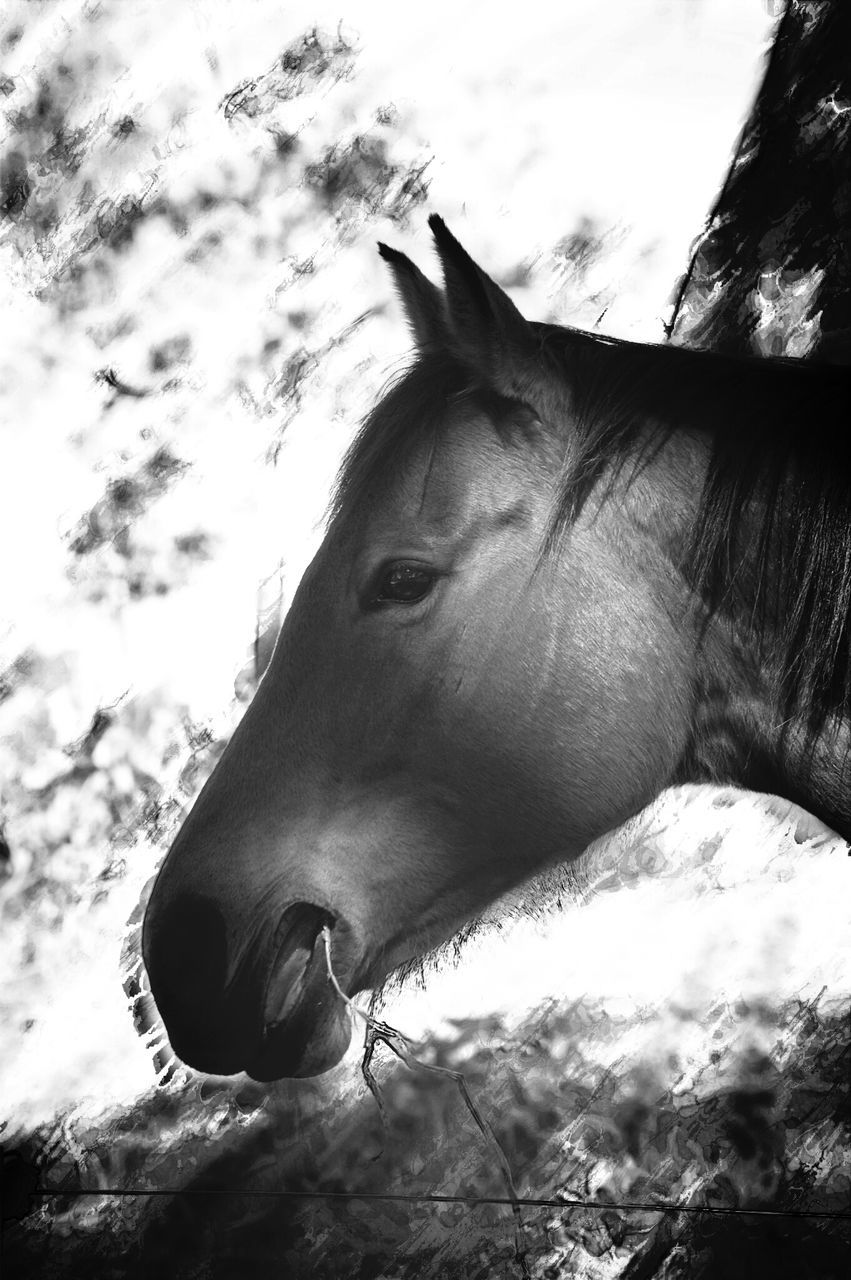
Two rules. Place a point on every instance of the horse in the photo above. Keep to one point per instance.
(561, 573)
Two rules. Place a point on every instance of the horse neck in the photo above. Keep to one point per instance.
(741, 732)
(741, 603)
(738, 736)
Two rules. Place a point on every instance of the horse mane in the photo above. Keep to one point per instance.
(771, 535)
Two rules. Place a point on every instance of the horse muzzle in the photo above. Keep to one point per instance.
(272, 1011)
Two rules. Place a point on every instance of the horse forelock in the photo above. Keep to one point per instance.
(417, 408)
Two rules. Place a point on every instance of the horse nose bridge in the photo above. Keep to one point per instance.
(227, 849)
(248, 863)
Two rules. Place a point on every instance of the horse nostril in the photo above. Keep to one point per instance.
(187, 938)
(185, 953)
(263, 1004)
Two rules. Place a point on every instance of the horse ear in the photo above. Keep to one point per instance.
(487, 330)
(421, 300)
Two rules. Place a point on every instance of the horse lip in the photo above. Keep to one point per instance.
(298, 946)
(306, 1027)
(285, 989)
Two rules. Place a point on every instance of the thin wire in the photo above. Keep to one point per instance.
(535, 1202)
(401, 1045)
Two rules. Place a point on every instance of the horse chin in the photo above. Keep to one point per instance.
(293, 1053)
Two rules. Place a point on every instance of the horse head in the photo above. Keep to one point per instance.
(493, 659)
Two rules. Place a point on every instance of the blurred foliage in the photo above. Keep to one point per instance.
(772, 272)
(616, 1138)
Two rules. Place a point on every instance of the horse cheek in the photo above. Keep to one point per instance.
(633, 730)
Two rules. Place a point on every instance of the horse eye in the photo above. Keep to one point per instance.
(404, 584)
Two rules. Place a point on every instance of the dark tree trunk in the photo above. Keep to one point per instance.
(771, 274)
